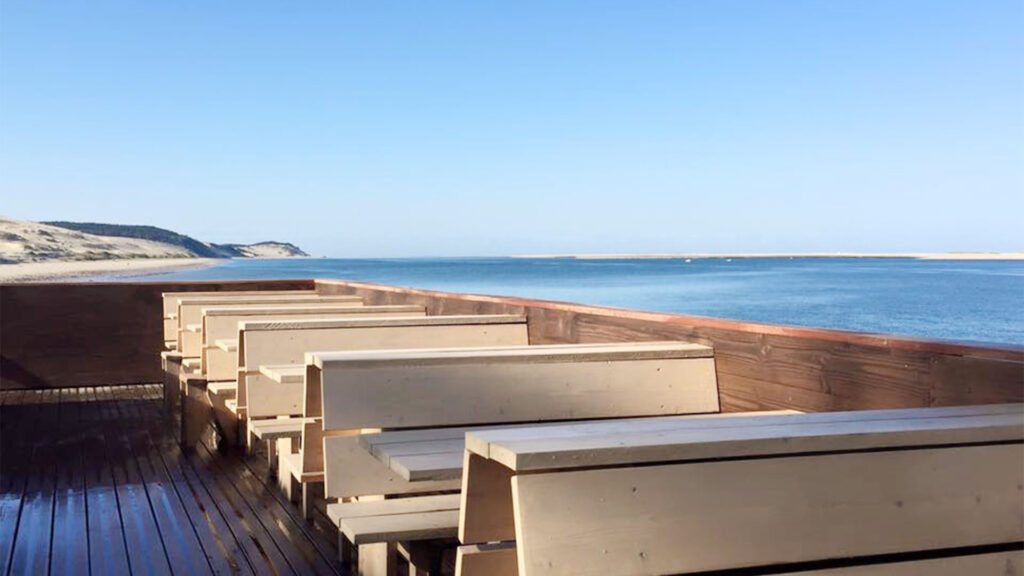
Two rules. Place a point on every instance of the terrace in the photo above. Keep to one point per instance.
(96, 479)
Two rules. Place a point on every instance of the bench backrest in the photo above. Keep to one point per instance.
(222, 323)
(190, 312)
(436, 388)
(171, 299)
(273, 343)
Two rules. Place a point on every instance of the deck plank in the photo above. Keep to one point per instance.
(69, 553)
(111, 492)
(221, 550)
(142, 535)
(108, 551)
(259, 547)
(321, 531)
(180, 544)
(12, 483)
(303, 556)
(31, 546)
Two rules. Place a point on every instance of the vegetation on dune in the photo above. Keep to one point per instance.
(196, 247)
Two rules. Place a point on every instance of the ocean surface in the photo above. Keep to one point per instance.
(974, 301)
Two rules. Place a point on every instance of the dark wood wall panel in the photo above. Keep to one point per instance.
(760, 366)
(91, 334)
(88, 334)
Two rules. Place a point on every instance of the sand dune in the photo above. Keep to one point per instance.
(26, 242)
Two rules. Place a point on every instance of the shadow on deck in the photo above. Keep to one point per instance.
(93, 482)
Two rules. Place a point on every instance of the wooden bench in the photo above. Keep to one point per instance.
(425, 454)
(221, 323)
(220, 367)
(271, 430)
(286, 343)
(417, 518)
(272, 391)
(274, 341)
(170, 302)
(190, 312)
(437, 387)
(738, 493)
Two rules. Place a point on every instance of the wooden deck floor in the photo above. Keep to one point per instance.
(92, 482)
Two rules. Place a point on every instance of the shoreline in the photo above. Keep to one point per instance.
(1007, 256)
(85, 269)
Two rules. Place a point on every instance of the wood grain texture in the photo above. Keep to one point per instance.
(349, 470)
(763, 366)
(222, 323)
(190, 311)
(363, 394)
(171, 300)
(685, 518)
(103, 333)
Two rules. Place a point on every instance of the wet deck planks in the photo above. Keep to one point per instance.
(92, 482)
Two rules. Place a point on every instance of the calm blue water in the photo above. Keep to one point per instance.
(968, 301)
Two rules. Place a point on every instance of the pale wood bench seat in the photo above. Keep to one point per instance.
(611, 443)
(274, 428)
(413, 504)
(754, 492)
(190, 364)
(424, 467)
(227, 344)
(194, 328)
(170, 345)
(401, 527)
(291, 463)
(221, 388)
(437, 453)
(285, 373)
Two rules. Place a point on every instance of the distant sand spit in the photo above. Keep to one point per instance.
(908, 256)
(48, 271)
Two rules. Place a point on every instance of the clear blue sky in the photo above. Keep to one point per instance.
(478, 128)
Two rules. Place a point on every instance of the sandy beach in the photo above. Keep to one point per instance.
(48, 271)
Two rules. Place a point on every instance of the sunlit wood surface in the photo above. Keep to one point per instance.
(92, 482)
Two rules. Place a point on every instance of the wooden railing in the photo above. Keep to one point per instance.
(88, 334)
(762, 366)
(91, 334)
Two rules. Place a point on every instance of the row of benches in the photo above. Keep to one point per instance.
(423, 435)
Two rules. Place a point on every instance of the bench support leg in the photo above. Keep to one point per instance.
(195, 411)
(271, 445)
(311, 491)
(346, 552)
(227, 421)
(172, 382)
(285, 479)
(377, 560)
(242, 433)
